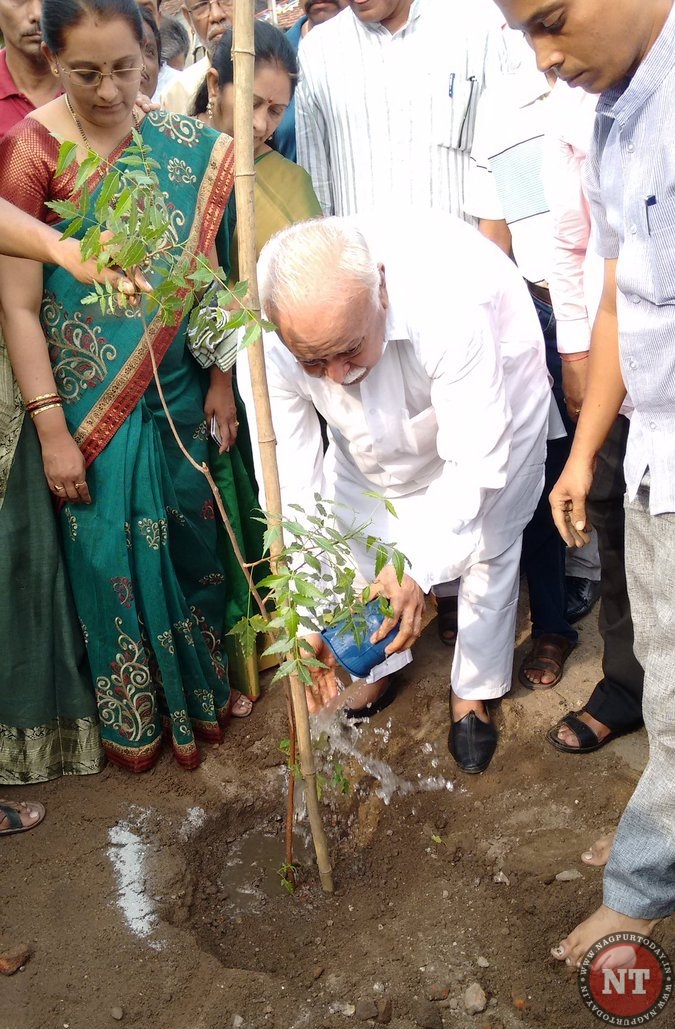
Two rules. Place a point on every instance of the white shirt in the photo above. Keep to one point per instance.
(180, 94)
(387, 118)
(576, 271)
(505, 178)
(450, 424)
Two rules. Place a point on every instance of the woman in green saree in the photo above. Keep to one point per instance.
(283, 195)
(48, 724)
(137, 521)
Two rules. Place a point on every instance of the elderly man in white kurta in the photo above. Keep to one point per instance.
(426, 361)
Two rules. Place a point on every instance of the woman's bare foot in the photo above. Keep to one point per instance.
(598, 852)
(602, 922)
(569, 738)
(240, 705)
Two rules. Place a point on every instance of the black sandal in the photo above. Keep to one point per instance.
(588, 741)
(446, 623)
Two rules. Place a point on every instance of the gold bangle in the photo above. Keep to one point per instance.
(47, 407)
(43, 396)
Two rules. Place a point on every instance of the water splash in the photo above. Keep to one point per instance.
(343, 738)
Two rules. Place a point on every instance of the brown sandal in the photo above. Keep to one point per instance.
(548, 654)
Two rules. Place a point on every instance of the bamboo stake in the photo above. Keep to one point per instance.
(272, 8)
(243, 55)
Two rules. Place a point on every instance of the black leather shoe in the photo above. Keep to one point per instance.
(582, 596)
(472, 742)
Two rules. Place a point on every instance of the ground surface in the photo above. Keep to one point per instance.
(158, 895)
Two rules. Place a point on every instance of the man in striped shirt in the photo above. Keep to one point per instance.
(387, 99)
(626, 52)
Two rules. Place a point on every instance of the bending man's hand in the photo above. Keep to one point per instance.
(568, 502)
(407, 601)
(324, 685)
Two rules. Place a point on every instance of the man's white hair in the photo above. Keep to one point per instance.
(316, 262)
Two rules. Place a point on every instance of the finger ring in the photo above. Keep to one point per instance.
(58, 487)
(77, 485)
(236, 424)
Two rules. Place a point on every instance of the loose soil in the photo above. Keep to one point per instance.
(154, 901)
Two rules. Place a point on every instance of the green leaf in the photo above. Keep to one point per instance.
(132, 254)
(398, 561)
(64, 208)
(89, 246)
(73, 228)
(278, 647)
(381, 559)
(67, 154)
(109, 188)
(253, 332)
(313, 562)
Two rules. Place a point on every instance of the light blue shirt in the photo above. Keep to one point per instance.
(631, 186)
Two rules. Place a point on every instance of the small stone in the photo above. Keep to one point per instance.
(384, 1010)
(317, 971)
(475, 1000)
(519, 999)
(117, 1013)
(483, 963)
(501, 878)
(428, 1016)
(237, 1021)
(569, 875)
(338, 1007)
(14, 959)
(365, 1010)
(437, 991)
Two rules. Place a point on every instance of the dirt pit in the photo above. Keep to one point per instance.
(155, 901)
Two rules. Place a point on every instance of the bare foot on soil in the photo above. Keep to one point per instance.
(569, 738)
(598, 852)
(602, 922)
(240, 705)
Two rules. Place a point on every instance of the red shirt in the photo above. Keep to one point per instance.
(14, 105)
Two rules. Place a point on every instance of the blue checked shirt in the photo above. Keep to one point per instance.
(631, 186)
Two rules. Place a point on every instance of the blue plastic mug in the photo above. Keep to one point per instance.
(359, 658)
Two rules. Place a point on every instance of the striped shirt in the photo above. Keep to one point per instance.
(631, 187)
(388, 117)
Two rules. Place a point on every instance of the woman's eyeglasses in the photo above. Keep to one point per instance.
(91, 79)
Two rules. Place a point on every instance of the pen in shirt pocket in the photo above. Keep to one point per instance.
(650, 201)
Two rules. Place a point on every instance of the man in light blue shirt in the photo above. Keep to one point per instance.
(626, 52)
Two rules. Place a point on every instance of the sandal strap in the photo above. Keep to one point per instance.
(11, 815)
(583, 732)
(547, 651)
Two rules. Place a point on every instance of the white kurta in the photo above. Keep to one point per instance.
(451, 422)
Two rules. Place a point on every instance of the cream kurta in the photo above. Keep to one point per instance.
(450, 424)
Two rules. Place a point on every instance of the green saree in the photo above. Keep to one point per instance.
(149, 587)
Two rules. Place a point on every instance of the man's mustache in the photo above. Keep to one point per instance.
(311, 3)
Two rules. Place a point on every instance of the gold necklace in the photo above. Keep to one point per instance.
(78, 124)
